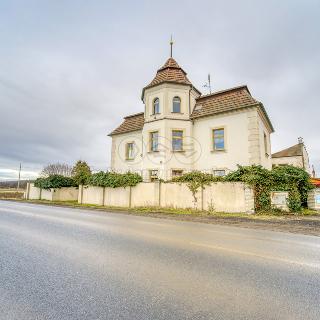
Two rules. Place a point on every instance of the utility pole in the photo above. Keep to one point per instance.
(19, 177)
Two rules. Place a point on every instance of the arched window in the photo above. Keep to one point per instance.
(156, 106)
(176, 105)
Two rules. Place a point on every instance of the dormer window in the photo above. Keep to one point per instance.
(176, 105)
(156, 106)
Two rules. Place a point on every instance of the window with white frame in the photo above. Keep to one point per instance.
(130, 151)
(218, 139)
(176, 173)
(156, 106)
(219, 173)
(154, 141)
(176, 105)
(177, 140)
(153, 175)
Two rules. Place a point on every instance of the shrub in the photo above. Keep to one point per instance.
(285, 177)
(294, 200)
(259, 179)
(262, 181)
(54, 181)
(114, 180)
(81, 172)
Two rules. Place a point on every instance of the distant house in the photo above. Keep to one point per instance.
(296, 155)
(182, 130)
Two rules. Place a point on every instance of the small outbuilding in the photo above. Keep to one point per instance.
(296, 155)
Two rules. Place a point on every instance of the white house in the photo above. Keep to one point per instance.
(182, 130)
(296, 155)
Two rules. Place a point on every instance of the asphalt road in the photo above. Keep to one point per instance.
(61, 263)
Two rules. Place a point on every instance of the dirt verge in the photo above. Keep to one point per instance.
(303, 224)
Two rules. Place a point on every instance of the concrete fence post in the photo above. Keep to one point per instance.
(130, 195)
(103, 195)
(201, 199)
(249, 199)
(28, 191)
(159, 190)
(80, 194)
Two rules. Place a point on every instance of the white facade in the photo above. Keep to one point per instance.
(245, 135)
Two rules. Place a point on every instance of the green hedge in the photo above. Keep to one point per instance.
(54, 181)
(114, 180)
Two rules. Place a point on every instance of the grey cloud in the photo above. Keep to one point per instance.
(71, 72)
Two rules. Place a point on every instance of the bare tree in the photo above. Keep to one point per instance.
(57, 168)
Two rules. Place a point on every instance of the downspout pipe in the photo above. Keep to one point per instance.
(190, 101)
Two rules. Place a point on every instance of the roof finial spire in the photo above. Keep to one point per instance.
(171, 45)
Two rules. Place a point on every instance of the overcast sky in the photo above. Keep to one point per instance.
(70, 70)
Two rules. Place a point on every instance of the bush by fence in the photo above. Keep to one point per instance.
(283, 178)
(114, 180)
(54, 181)
(263, 182)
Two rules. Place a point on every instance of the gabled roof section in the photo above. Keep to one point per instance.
(170, 72)
(294, 151)
(131, 123)
(224, 101)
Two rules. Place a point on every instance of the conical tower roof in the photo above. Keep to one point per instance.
(169, 72)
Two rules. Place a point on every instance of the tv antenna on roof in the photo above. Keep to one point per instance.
(208, 84)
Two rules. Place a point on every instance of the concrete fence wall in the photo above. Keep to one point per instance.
(279, 200)
(61, 194)
(314, 199)
(220, 196)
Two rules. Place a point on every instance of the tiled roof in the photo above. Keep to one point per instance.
(170, 72)
(131, 123)
(296, 150)
(224, 101)
(212, 104)
(170, 63)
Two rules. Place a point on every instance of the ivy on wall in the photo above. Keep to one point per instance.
(262, 181)
(196, 180)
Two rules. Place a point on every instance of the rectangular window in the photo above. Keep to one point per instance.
(154, 137)
(130, 151)
(265, 141)
(218, 139)
(177, 140)
(154, 175)
(219, 173)
(176, 173)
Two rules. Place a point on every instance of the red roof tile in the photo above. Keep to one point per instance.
(131, 123)
(224, 101)
(169, 72)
